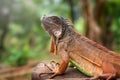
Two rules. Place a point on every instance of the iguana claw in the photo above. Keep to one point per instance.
(47, 68)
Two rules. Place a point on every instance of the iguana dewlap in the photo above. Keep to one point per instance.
(88, 56)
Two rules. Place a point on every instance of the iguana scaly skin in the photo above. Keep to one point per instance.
(88, 56)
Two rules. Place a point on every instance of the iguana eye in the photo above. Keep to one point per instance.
(56, 20)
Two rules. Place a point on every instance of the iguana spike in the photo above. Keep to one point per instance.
(69, 23)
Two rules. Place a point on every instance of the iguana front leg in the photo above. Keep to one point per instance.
(64, 59)
(64, 63)
(59, 68)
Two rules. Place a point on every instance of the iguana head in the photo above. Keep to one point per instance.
(53, 25)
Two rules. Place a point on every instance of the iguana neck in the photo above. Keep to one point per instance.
(66, 34)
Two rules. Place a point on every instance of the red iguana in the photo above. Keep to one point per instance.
(87, 56)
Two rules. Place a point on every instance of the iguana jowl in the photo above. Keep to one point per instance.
(88, 56)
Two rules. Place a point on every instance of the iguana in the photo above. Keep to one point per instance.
(87, 56)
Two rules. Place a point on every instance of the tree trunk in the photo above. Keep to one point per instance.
(98, 22)
(5, 13)
(104, 21)
(92, 29)
(71, 4)
(4, 21)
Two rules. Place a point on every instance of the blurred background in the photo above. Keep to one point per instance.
(24, 43)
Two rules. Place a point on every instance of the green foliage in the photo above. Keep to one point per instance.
(114, 9)
(19, 57)
(116, 31)
(79, 25)
(20, 48)
(58, 7)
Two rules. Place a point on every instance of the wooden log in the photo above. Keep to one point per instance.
(70, 74)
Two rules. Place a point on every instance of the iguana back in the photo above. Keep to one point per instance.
(90, 56)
